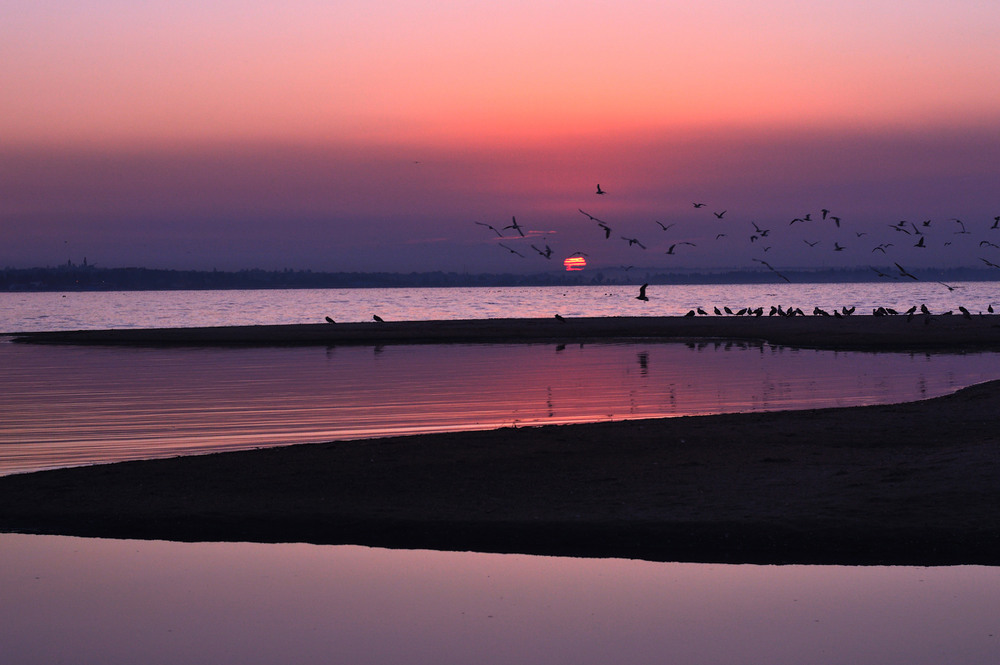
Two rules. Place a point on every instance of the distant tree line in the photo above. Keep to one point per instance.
(71, 277)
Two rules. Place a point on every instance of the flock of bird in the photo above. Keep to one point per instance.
(819, 231)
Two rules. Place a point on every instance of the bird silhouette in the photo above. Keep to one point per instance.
(698, 205)
(376, 317)
(633, 241)
(903, 272)
(512, 251)
(490, 226)
(642, 293)
(329, 320)
(674, 246)
(547, 252)
(607, 229)
(514, 225)
(665, 227)
(720, 214)
(599, 190)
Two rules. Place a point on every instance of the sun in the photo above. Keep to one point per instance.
(575, 263)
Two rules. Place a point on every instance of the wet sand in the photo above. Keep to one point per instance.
(915, 483)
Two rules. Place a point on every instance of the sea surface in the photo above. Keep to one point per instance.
(120, 601)
(73, 405)
(22, 312)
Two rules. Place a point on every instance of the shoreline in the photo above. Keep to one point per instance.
(856, 332)
(916, 483)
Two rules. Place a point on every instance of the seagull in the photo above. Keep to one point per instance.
(376, 317)
(720, 214)
(560, 318)
(490, 226)
(607, 229)
(515, 226)
(879, 272)
(642, 293)
(962, 224)
(950, 288)
(996, 222)
(881, 248)
(763, 232)
(920, 243)
(698, 205)
(992, 265)
(547, 252)
(329, 320)
(671, 249)
(633, 241)
(592, 218)
(903, 272)
(988, 244)
(825, 212)
(837, 247)
(663, 226)
(599, 190)
(836, 220)
(512, 251)
(811, 244)
(771, 268)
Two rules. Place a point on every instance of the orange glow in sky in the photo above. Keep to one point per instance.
(317, 134)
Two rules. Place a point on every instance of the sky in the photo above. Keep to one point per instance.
(356, 136)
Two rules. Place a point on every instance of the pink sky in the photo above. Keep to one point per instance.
(236, 134)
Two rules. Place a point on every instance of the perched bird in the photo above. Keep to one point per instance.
(329, 320)
(642, 293)
(376, 317)
(560, 318)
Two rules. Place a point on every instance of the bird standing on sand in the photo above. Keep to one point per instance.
(376, 317)
(642, 293)
(329, 320)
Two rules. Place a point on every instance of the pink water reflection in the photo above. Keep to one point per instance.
(115, 602)
(76, 405)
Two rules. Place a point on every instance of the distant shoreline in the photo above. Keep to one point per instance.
(73, 277)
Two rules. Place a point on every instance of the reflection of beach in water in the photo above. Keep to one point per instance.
(76, 405)
(91, 600)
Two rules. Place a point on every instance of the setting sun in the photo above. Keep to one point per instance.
(575, 263)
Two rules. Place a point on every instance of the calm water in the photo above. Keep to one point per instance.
(67, 405)
(21, 312)
(89, 600)
(121, 602)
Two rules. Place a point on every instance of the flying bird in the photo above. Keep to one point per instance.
(720, 214)
(771, 268)
(491, 227)
(633, 241)
(962, 224)
(698, 205)
(512, 251)
(599, 190)
(642, 293)
(903, 272)
(514, 225)
(547, 252)
(663, 226)
(607, 229)
(592, 218)
(670, 250)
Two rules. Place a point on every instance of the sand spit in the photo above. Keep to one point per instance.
(861, 332)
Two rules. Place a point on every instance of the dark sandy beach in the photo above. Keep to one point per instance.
(915, 483)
